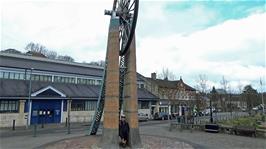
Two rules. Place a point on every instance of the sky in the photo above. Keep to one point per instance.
(190, 38)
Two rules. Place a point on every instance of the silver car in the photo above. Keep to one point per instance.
(143, 117)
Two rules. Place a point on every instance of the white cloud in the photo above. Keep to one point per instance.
(226, 49)
(66, 27)
(176, 40)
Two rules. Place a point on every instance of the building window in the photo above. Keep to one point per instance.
(72, 80)
(78, 105)
(9, 106)
(99, 82)
(83, 105)
(144, 105)
(153, 103)
(6, 75)
(11, 75)
(90, 82)
(63, 79)
(87, 81)
(35, 77)
(1, 74)
(65, 106)
(21, 76)
(90, 105)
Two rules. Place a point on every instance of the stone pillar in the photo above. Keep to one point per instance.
(21, 106)
(21, 121)
(131, 98)
(111, 103)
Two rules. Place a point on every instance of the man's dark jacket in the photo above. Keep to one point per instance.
(123, 130)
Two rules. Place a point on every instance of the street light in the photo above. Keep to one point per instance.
(262, 101)
(213, 93)
(29, 98)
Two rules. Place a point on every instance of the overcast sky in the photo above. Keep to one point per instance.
(218, 38)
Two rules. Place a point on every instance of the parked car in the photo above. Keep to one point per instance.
(208, 111)
(174, 115)
(143, 117)
(161, 116)
(199, 113)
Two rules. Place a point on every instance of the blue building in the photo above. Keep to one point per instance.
(36, 89)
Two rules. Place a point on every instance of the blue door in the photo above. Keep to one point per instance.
(46, 111)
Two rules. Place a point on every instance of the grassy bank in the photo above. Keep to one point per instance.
(246, 121)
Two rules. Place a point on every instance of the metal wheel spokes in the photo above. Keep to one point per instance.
(127, 10)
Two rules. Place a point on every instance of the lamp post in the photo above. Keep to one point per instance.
(29, 100)
(262, 101)
(213, 93)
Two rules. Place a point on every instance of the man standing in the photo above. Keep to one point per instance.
(123, 131)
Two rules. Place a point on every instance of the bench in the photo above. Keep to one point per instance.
(245, 130)
(212, 128)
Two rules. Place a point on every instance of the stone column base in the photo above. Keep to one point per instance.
(110, 139)
(134, 139)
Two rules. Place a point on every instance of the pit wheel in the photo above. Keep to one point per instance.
(127, 11)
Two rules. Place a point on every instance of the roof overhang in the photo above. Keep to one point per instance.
(47, 88)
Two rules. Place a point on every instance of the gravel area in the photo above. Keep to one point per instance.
(89, 142)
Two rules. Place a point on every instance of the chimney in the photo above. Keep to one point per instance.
(153, 76)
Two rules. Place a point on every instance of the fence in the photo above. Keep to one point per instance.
(219, 117)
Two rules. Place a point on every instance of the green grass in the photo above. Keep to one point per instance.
(244, 121)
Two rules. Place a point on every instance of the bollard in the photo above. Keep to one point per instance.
(66, 122)
(42, 123)
(35, 130)
(14, 123)
(68, 128)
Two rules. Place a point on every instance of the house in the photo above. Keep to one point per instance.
(174, 96)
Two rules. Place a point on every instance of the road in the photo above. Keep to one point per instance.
(23, 139)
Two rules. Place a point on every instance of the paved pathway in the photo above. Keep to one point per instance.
(196, 139)
(206, 140)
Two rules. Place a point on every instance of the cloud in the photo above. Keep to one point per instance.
(189, 38)
(68, 27)
(235, 49)
(157, 19)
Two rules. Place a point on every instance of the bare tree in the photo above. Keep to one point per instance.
(166, 74)
(251, 96)
(202, 85)
(240, 87)
(65, 58)
(51, 54)
(230, 91)
(96, 63)
(224, 83)
(262, 100)
(36, 47)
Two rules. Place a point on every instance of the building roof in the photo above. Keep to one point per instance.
(13, 51)
(170, 84)
(45, 64)
(20, 88)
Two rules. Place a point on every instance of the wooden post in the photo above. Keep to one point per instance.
(68, 115)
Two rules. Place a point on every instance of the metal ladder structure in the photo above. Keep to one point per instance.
(100, 103)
